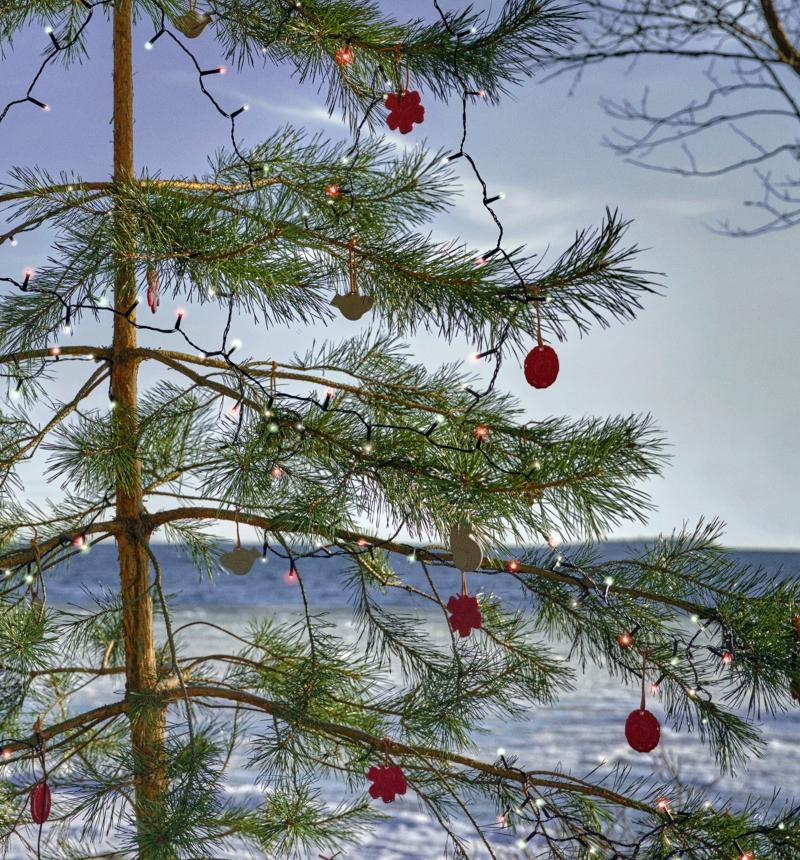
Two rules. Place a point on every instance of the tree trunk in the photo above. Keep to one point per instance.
(147, 723)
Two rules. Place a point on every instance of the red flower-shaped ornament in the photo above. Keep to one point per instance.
(465, 613)
(405, 109)
(387, 781)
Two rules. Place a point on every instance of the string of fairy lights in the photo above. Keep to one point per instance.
(71, 309)
(536, 811)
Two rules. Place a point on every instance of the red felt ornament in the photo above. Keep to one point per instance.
(40, 802)
(344, 56)
(388, 780)
(405, 109)
(541, 366)
(153, 290)
(465, 611)
(642, 729)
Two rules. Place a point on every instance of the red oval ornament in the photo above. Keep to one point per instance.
(541, 366)
(642, 731)
(40, 802)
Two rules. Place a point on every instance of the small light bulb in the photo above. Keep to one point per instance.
(148, 45)
(609, 581)
(236, 343)
(14, 242)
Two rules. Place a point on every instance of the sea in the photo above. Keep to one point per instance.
(582, 732)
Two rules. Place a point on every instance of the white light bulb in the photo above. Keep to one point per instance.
(148, 46)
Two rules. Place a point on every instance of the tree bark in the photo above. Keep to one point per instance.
(147, 723)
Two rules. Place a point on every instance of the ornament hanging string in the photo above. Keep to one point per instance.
(536, 304)
(644, 676)
(351, 259)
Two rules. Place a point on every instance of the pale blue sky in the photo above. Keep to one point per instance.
(714, 360)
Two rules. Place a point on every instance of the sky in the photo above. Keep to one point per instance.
(714, 359)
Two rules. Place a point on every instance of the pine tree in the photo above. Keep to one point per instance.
(391, 448)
